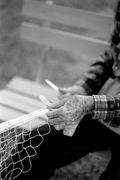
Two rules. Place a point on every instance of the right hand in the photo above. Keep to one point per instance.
(68, 91)
(66, 114)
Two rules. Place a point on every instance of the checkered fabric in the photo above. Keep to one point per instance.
(107, 109)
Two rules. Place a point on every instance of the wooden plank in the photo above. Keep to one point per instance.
(76, 44)
(13, 105)
(7, 113)
(21, 102)
(69, 16)
(32, 89)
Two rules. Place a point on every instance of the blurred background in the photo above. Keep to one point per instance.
(21, 58)
(38, 62)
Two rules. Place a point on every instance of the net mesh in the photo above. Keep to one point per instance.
(17, 145)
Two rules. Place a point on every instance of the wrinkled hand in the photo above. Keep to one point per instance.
(66, 114)
(66, 92)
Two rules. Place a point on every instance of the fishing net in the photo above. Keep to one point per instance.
(17, 145)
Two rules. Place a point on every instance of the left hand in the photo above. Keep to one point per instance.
(66, 114)
(69, 91)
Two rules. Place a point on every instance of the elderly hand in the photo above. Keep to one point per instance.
(68, 91)
(66, 114)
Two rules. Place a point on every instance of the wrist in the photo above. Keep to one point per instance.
(91, 101)
(88, 104)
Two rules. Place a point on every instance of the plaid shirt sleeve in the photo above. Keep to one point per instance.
(107, 109)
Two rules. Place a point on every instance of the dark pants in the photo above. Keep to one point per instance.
(58, 150)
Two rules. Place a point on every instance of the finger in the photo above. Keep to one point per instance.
(64, 90)
(70, 130)
(57, 104)
(57, 121)
(44, 100)
(59, 127)
(54, 113)
(67, 94)
(63, 96)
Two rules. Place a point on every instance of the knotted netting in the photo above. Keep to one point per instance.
(17, 145)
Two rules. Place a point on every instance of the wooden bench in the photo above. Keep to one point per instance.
(21, 96)
(70, 17)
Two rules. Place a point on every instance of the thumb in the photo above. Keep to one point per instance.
(70, 130)
(57, 104)
(63, 93)
(64, 90)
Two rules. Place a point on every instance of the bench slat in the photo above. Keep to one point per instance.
(30, 104)
(32, 89)
(13, 105)
(69, 16)
(19, 103)
(79, 45)
(6, 113)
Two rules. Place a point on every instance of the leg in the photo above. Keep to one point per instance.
(58, 150)
(113, 169)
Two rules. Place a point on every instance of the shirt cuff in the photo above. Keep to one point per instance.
(104, 108)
